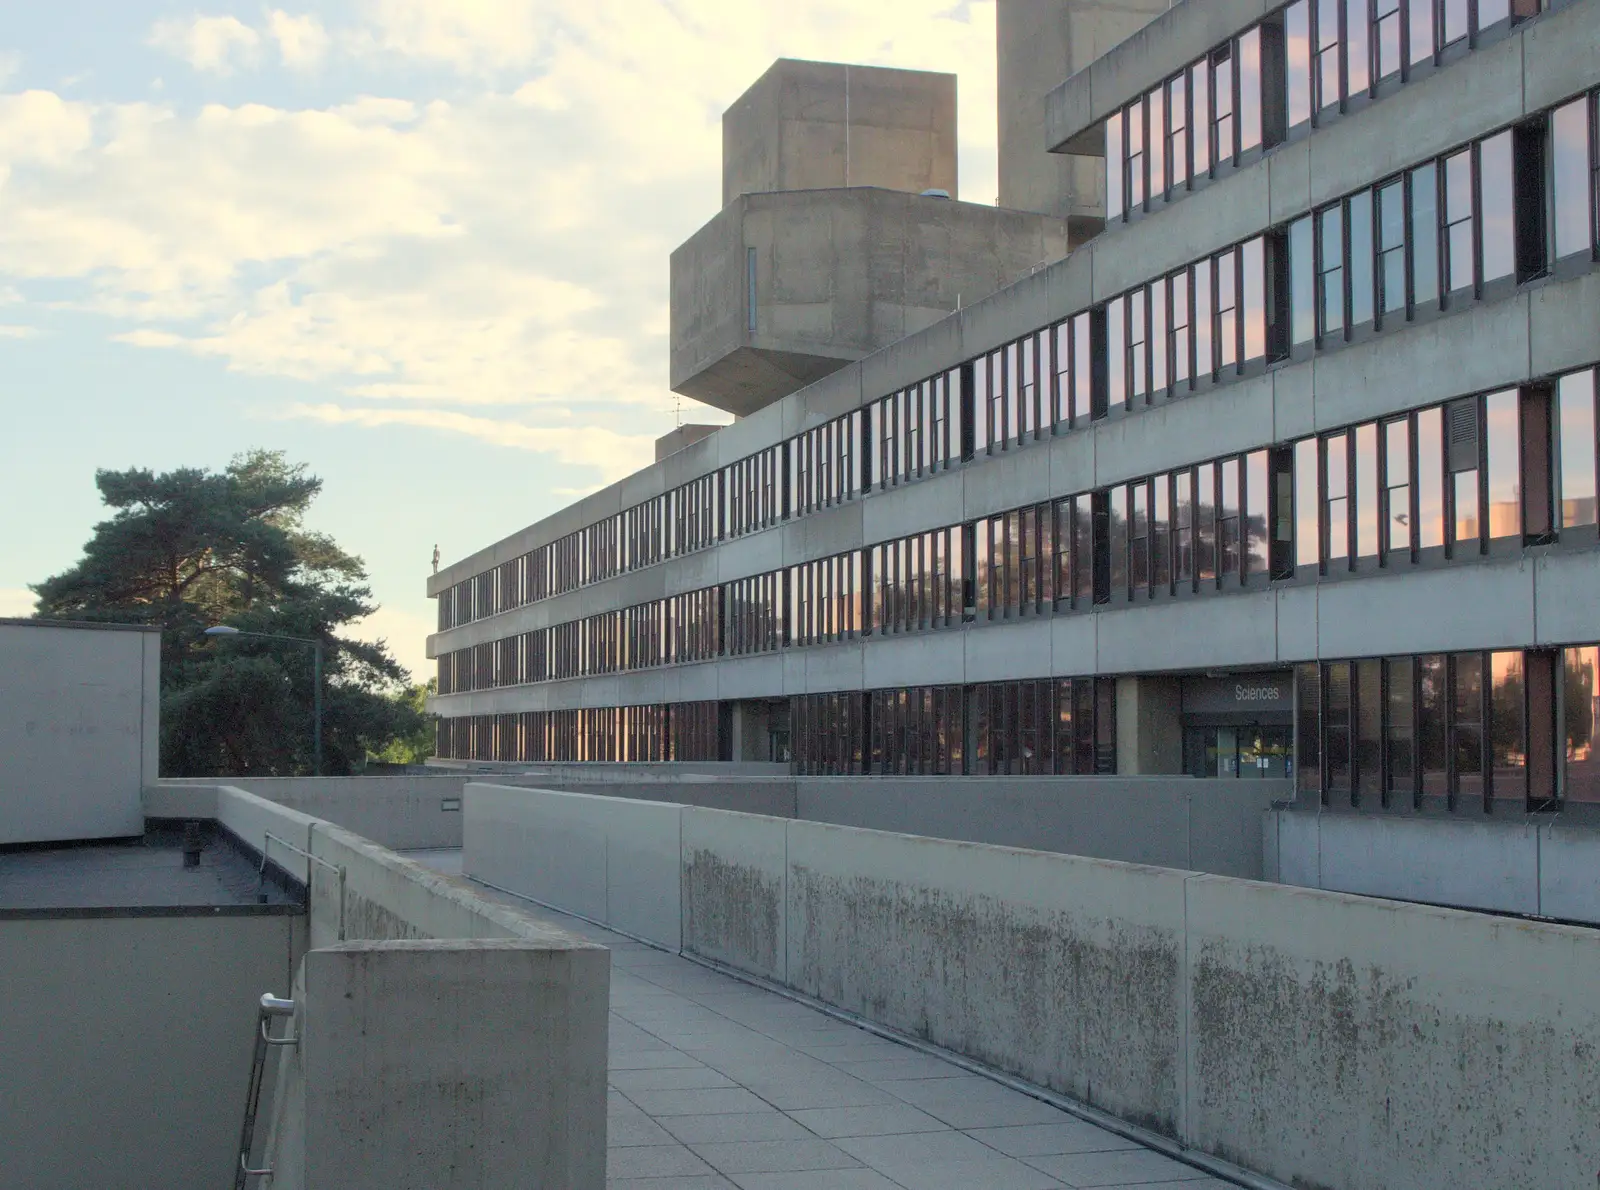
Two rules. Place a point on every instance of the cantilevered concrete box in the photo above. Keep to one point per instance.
(781, 289)
(820, 125)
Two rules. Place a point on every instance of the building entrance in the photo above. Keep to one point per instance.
(1239, 725)
(1255, 750)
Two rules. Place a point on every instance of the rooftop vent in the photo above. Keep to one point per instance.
(935, 193)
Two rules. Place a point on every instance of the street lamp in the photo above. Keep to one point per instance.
(316, 678)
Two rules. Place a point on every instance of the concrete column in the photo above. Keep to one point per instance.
(1149, 726)
(430, 1064)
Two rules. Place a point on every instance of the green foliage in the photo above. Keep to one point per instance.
(191, 548)
(417, 746)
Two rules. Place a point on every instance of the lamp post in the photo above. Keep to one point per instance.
(316, 679)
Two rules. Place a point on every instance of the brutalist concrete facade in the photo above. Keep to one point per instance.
(841, 232)
(1530, 333)
(781, 289)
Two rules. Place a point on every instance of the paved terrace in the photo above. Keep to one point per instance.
(716, 1084)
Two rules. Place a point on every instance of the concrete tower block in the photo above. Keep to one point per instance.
(823, 125)
(1041, 44)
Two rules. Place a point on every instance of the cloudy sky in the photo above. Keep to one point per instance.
(420, 245)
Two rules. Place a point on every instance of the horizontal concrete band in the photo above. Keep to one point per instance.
(1538, 65)
(1524, 601)
(1533, 334)
(1315, 1037)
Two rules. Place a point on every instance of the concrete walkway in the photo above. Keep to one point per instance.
(716, 1084)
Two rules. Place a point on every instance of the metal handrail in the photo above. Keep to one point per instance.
(268, 839)
(271, 1007)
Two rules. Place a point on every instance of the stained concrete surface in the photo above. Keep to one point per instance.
(716, 1084)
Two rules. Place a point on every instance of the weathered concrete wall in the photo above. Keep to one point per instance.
(818, 125)
(1361, 1044)
(446, 1037)
(446, 1063)
(1531, 864)
(79, 707)
(403, 812)
(127, 1043)
(1322, 1039)
(735, 890)
(1064, 970)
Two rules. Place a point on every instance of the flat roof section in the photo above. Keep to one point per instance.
(139, 877)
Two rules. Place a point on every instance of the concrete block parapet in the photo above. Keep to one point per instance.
(1316, 1038)
(445, 1063)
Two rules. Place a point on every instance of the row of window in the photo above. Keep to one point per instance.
(1302, 66)
(1201, 121)
(679, 731)
(1340, 53)
(1473, 476)
(1032, 727)
(1509, 206)
(1514, 730)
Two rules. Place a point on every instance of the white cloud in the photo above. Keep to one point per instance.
(612, 454)
(18, 332)
(213, 45)
(505, 247)
(302, 40)
(16, 603)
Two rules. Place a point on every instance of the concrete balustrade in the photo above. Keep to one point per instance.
(445, 1039)
(1319, 1038)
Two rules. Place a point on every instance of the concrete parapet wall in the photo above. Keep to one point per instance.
(446, 1063)
(606, 859)
(1322, 1039)
(403, 812)
(1533, 865)
(1173, 821)
(445, 1039)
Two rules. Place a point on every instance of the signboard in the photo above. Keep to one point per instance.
(1262, 697)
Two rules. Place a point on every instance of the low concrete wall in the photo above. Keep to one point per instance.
(447, 1039)
(1179, 822)
(402, 812)
(127, 1043)
(1537, 866)
(1321, 1039)
(609, 859)
(1176, 822)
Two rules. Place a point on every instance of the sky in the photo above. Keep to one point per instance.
(418, 245)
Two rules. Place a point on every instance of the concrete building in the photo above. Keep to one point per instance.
(1289, 473)
(841, 232)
